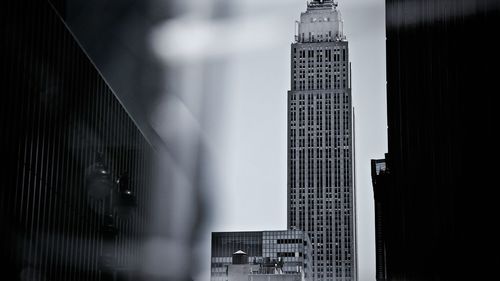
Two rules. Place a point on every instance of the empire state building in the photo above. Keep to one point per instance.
(321, 186)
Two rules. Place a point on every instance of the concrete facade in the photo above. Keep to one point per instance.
(240, 272)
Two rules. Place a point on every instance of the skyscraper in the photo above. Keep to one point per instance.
(321, 189)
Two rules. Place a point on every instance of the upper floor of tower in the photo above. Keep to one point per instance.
(321, 22)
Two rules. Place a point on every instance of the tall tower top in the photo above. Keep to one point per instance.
(322, 4)
(321, 22)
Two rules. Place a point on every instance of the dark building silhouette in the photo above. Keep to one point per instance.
(380, 176)
(437, 201)
(76, 169)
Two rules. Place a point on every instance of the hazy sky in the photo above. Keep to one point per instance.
(249, 145)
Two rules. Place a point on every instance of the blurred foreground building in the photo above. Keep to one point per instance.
(76, 182)
(262, 254)
(435, 198)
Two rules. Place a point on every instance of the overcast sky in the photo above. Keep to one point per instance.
(249, 145)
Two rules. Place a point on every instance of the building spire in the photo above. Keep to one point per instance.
(322, 4)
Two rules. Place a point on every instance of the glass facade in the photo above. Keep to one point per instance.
(59, 120)
(224, 244)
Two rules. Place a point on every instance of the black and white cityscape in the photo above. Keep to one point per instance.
(249, 140)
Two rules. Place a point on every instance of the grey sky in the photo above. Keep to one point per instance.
(248, 146)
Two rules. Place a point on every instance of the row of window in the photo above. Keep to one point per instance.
(336, 98)
(321, 84)
(335, 54)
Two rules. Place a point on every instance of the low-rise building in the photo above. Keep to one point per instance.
(260, 255)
